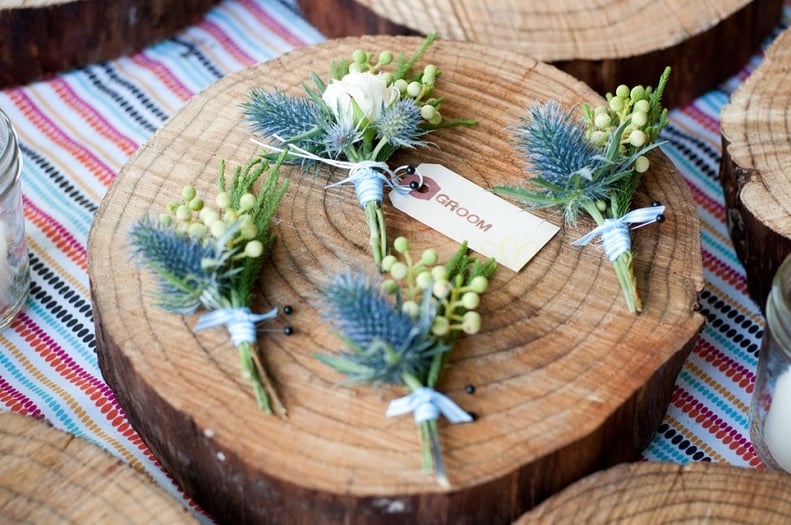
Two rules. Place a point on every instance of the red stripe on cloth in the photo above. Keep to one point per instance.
(699, 116)
(57, 233)
(265, 18)
(732, 369)
(724, 272)
(16, 401)
(93, 117)
(81, 153)
(164, 74)
(713, 206)
(225, 40)
(716, 426)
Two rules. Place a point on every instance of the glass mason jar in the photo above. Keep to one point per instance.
(770, 410)
(14, 269)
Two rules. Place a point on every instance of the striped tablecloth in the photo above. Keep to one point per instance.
(78, 129)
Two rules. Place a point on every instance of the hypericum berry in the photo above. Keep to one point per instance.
(246, 202)
(638, 138)
(622, 91)
(479, 284)
(411, 308)
(208, 216)
(183, 213)
(599, 137)
(637, 93)
(470, 300)
(441, 326)
(423, 279)
(602, 121)
(427, 112)
(188, 193)
(359, 56)
(642, 105)
(441, 288)
(617, 103)
(196, 204)
(401, 85)
(389, 286)
(385, 58)
(639, 119)
(399, 270)
(197, 230)
(601, 205)
(471, 323)
(217, 229)
(436, 119)
(641, 164)
(401, 244)
(223, 200)
(165, 219)
(429, 257)
(253, 249)
(439, 273)
(414, 89)
(387, 262)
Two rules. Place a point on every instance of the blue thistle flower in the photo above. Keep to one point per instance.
(554, 144)
(400, 124)
(385, 342)
(298, 120)
(176, 260)
(340, 136)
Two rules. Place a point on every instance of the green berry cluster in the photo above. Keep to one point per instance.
(456, 300)
(190, 216)
(418, 87)
(638, 110)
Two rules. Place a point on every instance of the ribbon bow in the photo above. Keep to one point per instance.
(427, 404)
(614, 233)
(239, 321)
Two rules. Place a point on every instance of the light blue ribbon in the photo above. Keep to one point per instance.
(615, 237)
(427, 404)
(240, 322)
(369, 179)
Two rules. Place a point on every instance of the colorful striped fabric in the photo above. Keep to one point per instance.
(78, 130)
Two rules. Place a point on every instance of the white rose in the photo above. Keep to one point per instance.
(368, 91)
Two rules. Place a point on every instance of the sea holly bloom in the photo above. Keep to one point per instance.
(369, 108)
(359, 98)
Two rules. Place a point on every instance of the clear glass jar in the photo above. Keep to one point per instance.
(770, 410)
(14, 269)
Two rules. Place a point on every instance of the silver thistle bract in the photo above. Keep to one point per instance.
(370, 108)
(210, 258)
(593, 164)
(398, 332)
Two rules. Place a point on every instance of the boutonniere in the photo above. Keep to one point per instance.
(400, 331)
(210, 257)
(371, 107)
(593, 164)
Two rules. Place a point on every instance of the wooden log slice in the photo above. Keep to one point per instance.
(670, 493)
(602, 43)
(39, 38)
(756, 154)
(48, 476)
(566, 381)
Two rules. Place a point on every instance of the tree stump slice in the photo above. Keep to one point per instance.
(566, 381)
(39, 38)
(756, 154)
(48, 476)
(602, 43)
(670, 493)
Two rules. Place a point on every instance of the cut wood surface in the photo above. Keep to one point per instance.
(600, 42)
(566, 380)
(39, 38)
(49, 477)
(755, 175)
(669, 493)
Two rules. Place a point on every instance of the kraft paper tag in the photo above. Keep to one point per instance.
(462, 210)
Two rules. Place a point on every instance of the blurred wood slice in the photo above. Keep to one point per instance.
(566, 380)
(40, 38)
(670, 493)
(49, 477)
(603, 43)
(754, 172)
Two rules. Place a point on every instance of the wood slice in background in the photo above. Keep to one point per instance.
(755, 169)
(670, 493)
(49, 477)
(602, 43)
(39, 38)
(566, 380)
